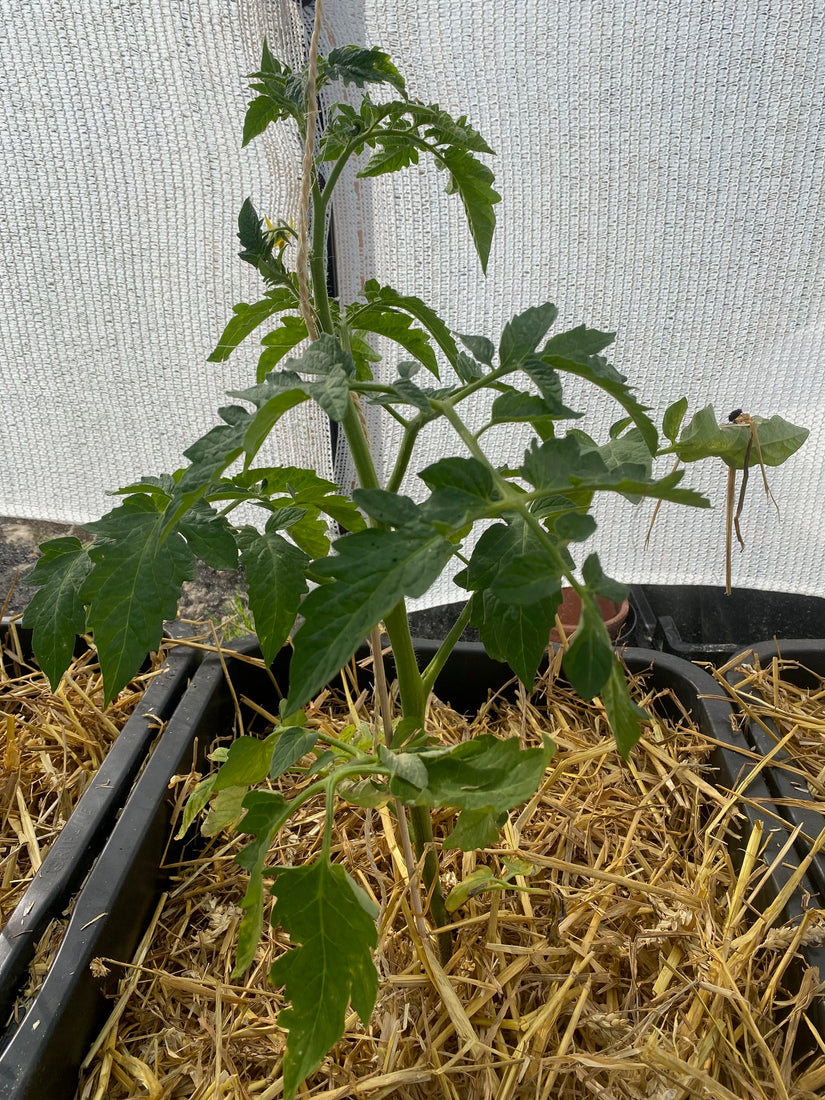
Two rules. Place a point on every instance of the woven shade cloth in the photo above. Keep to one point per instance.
(661, 169)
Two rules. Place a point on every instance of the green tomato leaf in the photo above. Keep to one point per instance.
(275, 577)
(473, 182)
(135, 585)
(331, 923)
(373, 570)
(360, 65)
(590, 658)
(57, 612)
(227, 807)
(266, 813)
(247, 762)
(704, 437)
(209, 536)
(596, 579)
(523, 334)
(556, 464)
(291, 744)
(515, 407)
(247, 318)
(385, 297)
(624, 715)
(575, 526)
(578, 343)
(486, 773)
(481, 347)
(196, 801)
(405, 765)
(209, 456)
(672, 420)
(279, 342)
(475, 829)
(466, 475)
(391, 509)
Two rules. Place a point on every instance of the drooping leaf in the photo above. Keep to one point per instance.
(524, 332)
(331, 923)
(475, 829)
(57, 613)
(397, 327)
(373, 570)
(570, 352)
(467, 369)
(624, 715)
(196, 801)
(596, 579)
(395, 152)
(278, 343)
(390, 509)
(275, 573)
(473, 182)
(386, 297)
(266, 813)
(590, 658)
(134, 587)
(514, 633)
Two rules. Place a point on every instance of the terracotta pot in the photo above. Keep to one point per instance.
(613, 613)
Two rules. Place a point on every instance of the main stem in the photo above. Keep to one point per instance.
(410, 683)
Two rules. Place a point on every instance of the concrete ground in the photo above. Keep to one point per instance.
(211, 595)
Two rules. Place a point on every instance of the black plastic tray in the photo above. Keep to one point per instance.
(84, 834)
(42, 1058)
(783, 784)
(701, 623)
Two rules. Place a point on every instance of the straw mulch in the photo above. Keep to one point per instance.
(53, 743)
(794, 716)
(640, 969)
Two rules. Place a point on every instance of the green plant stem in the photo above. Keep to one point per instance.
(435, 666)
(337, 743)
(402, 459)
(410, 685)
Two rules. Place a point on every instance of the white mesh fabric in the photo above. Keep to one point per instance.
(123, 176)
(661, 168)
